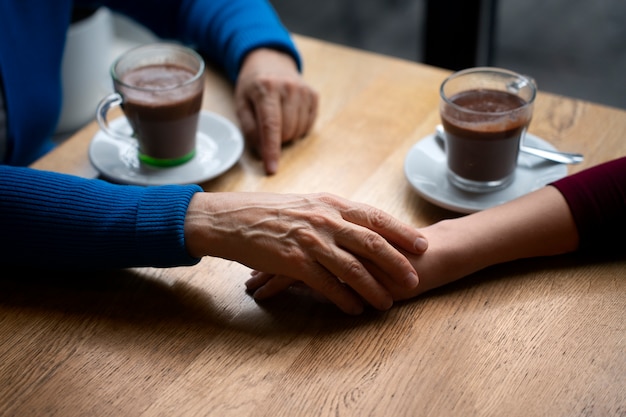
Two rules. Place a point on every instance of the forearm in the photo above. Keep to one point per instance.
(538, 224)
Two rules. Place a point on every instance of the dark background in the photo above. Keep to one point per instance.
(571, 47)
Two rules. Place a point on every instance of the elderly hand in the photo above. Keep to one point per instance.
(274, 104)
(321, 240)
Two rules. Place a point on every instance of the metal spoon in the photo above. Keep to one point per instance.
(555, 156)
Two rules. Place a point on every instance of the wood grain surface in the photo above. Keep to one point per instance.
(540, 337)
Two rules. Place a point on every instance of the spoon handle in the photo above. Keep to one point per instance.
(556, 156)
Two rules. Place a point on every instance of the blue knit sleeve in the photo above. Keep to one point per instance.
(223, 30)
(226, 30)
(55, 220)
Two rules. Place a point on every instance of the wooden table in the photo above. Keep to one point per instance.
(542, 337)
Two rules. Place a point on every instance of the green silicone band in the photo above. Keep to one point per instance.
(166, 163)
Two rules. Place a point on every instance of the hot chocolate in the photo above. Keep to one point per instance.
(480, 145)
(159, 87)
(163, 116)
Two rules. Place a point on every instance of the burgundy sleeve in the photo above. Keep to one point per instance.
(597, 199)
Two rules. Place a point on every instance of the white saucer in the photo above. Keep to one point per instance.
(219, 146)
(425, 168)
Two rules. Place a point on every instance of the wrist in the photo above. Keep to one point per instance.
(460, 249)
(195, 229)
(449, 257)
(265, 57)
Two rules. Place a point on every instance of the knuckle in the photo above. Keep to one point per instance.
(328, 199)
(308, 238)
(256, 90)
(290, 88)
(353, 271)
(374, 243)
(295, 258)
(263, 84)
(266, 83)
(318, 221)
(378, 218)
(270, 124)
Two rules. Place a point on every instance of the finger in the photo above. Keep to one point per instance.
(405, 236)
(323, 287)
(303, 289)
(329, 287)
(351, 271)
(382, 277)
(291, 105)
(358, 236)
(272, 285)
(308, 114)
(377, 250)
(269, 121)
(257, 280)
(247, 120)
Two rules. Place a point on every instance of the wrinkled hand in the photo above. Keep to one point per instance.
(320, 240)
(444, 261)
(274, 104)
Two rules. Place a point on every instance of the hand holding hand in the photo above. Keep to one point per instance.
(320, 240)
(461, 246)
(273, 103)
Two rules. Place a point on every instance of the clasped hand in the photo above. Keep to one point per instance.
(320, 240)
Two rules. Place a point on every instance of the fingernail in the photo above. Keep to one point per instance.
(421, 244)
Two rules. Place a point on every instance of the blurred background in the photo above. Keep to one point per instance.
(571, 47)
(575, 48)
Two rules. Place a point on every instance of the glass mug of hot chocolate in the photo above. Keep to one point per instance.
(159, 88)
(485, 113)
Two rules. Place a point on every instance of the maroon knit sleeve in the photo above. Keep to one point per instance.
(597, 199)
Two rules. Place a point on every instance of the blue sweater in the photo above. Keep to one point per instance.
(57, 220)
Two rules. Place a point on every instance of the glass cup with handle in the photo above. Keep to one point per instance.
(159, 88)
(485, 113)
